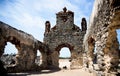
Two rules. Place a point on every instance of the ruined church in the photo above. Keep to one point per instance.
(95, 49)
(64, 34)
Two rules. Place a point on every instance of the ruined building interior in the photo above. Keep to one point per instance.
(96, 48)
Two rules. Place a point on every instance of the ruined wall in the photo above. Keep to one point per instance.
(65, 34)
(26, 45)
(101, 37)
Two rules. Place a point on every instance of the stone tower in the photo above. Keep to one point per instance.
(65, 18)
(47, 27)
(65, 34)
(84, 24)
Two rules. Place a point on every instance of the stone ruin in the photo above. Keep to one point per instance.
(98, 51)
(26, 45)
(65, 34)
(101, 38)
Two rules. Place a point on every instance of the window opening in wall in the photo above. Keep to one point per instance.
(95, 55)
(64, 58)
(38, 59)
(93, 50)
(8, 57)
(118, 36)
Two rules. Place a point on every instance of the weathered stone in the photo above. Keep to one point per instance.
(96, 67)
(104, 21)
(66, 34)
(100, 41)
(3, 71)
(26, 45)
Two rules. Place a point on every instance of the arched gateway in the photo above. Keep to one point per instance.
(65, 34)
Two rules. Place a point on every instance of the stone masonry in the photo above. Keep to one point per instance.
(65, 34)
(26, 45)
(98, 51)
(101, 37)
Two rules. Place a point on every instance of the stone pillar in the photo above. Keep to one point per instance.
(44, 60)
(76, 58)
(47, 26)
(90, 53)
(25, 58)
(53, 60)
(84, 24)
(111, 52)
(2, 46)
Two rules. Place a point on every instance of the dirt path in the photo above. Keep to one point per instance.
(76, 72)
(62, 62)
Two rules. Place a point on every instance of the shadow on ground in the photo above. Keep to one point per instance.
(32, 72)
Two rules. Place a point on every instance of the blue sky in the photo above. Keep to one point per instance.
(30, 15)
(118, 35)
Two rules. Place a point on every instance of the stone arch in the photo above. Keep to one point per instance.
(15, 42)
(65, 34)
(39, 65)
(43, 49)
(12, 40)
(59, 47)
(10, 49)
(103, 26)
(26, 45)
(64, 58)
(9, 55)
(38, 58)
(111, 51)
(64, 45)
(65, 52)
(70, 47)
(92, 55)
(91, 47)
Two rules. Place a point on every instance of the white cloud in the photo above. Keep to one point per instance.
(30, 15)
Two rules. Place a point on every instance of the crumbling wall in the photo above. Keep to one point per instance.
(102, 29)
(65, 34)
(26, 45)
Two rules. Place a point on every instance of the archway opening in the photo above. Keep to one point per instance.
(92, 50)
(38, 59)
(95, 55)
(64, 58)
(9, 55)
(118, 36)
